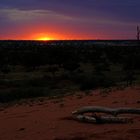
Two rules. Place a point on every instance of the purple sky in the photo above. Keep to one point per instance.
(69, 19)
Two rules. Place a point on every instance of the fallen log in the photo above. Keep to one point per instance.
(114, 112)
(102, 119)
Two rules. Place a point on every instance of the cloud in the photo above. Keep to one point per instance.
(125, 10)
(27, 15)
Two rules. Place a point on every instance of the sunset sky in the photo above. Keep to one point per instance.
(69, 19)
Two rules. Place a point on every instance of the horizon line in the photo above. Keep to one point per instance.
(69, 40)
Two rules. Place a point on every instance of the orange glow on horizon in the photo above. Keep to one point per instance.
(43, 38)
(40, 35)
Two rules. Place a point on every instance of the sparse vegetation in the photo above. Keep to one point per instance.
(28, 69)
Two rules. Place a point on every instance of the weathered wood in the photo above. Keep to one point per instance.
(101, 119)
(114, 112)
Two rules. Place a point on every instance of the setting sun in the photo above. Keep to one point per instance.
(44, 38)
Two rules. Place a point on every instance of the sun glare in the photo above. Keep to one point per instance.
(44, 38)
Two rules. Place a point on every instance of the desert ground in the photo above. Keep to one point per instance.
(46, 119)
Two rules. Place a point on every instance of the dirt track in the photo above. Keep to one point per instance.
(44, 120)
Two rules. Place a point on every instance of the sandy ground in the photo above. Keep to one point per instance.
(44, 119)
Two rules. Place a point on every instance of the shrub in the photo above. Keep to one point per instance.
(23, 93)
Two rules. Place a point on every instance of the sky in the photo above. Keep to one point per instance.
(69, 19)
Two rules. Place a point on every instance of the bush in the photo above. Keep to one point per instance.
(96, 81)
(23, 93)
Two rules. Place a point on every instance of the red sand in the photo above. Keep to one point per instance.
(43, 120)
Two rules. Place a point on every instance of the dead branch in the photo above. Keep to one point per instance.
(101, 119)
(114, 112)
